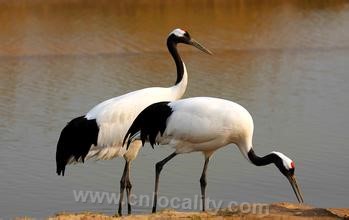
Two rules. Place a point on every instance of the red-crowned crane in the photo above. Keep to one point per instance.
(203, 124)
(100, 132)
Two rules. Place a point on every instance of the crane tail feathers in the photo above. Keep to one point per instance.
(75, 141)
(129, 138)
(149, 123)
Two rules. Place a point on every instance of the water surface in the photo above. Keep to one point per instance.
(285, 61)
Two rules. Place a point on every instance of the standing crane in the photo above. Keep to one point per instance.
(99, 133)
(203, 124)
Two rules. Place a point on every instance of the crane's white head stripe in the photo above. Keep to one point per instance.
(178, 32)
(288, 163)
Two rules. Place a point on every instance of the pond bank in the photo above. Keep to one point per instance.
(282, 210)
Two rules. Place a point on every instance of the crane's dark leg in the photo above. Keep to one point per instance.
(128, 187)
(203, 184)
(158, 168)
(122, 187)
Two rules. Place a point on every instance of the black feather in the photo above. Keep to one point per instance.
(75, 141)
(149, 123)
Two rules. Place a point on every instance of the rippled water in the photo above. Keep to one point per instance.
(285, 61)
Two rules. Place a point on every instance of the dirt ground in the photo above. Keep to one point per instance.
(284, 211)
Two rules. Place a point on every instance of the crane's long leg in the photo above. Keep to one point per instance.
(158, 168)
(122, 187)
(128, 187)
(203, 183)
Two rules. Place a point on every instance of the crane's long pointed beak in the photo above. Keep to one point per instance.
(295, 187)
(199, 46)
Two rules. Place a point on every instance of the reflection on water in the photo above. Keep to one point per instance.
(285, 61)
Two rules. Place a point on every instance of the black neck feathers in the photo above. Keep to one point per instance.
(172, 48)
(263, 161)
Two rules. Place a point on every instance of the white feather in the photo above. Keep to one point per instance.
(115, 116)
(178, 32)
(205, 124)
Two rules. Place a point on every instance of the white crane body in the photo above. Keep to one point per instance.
(114, 117)
(203, 124)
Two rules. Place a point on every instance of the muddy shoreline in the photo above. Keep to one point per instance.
(274, 211)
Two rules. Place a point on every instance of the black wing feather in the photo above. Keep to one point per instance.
(149, 123)
(75, 141)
